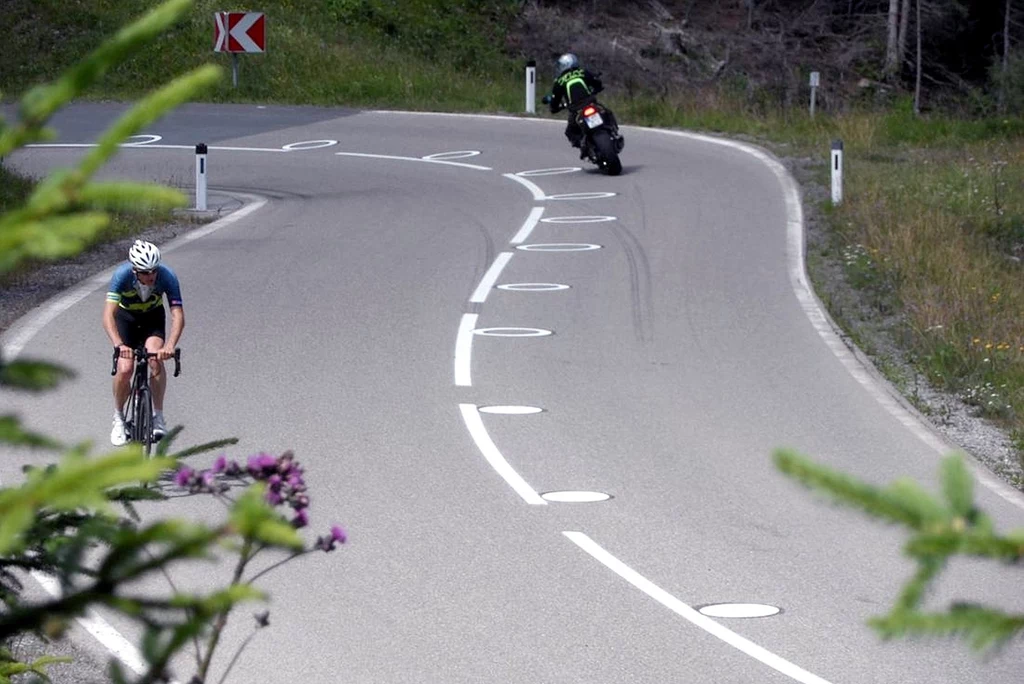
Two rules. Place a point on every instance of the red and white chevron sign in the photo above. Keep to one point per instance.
(239, 32)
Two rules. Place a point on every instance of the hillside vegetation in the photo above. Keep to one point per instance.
(930, 236)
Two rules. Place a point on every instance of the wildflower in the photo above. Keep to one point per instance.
(220, 465)
(259, 463)
(328, 542)
(183, 476)
(301, 519)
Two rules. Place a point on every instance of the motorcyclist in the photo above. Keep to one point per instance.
(574, 87)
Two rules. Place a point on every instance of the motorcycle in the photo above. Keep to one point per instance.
(601, 141)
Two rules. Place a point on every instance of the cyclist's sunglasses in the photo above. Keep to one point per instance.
(144, 273)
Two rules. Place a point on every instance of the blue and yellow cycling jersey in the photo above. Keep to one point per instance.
(131, 295)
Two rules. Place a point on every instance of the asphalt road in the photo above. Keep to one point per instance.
(659, 320)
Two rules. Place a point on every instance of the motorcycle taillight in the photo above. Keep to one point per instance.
(589, 111)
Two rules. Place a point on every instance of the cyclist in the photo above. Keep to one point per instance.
(134, 316)
(574, 87)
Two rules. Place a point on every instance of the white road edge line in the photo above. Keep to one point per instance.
(687, 613)
(100, 629)
(862, 371)
(538, 194)
(18, 335)
(464, 351)
(491, 277)
(531, 222)
(475, 425)
(414, 159)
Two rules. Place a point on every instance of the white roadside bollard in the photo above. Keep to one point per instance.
(837, 172)
(201, 177)
(531, 87)
(815, 82)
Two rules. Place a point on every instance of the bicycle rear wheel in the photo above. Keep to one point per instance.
(142, 419)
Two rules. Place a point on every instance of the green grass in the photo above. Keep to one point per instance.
(367, 53)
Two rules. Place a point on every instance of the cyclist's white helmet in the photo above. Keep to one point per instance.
(144, 255)
(566, 62)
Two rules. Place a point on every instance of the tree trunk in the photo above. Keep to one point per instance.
(891, 56)
(901, 47)
(917, 84)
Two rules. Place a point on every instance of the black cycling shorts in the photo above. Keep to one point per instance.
(136, 328)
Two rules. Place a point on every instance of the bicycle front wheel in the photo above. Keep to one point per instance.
(143, 419)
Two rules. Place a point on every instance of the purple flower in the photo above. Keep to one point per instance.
(260, 462)
(327, 543)
(275, 482)
(183, 476)
(221, 464)
(301, 519)
(208, 479)
(273, 498)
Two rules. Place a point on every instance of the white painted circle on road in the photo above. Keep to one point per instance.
(459, 154)
(559, 247)
(739, 610)
(575, 497)
(549, 172)
(579, 219)
(510, 410)
(512, 332)
(146, 139)
(533, 287)
(581, 196)
(309, 145)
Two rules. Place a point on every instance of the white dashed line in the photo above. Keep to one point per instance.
(528, 226)
(475, 425)
(464, 351)
(491, 277)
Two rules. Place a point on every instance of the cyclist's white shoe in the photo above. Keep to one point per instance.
(117, 434)
(159, 426)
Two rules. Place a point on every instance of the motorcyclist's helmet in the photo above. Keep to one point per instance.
(567, 62)
(144, 256)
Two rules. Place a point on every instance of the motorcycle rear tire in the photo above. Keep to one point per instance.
(609, 158)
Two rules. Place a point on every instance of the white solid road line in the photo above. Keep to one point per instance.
(862, 371)
(475, 425)
(491, 277)
(414, 159)
(464, 351)
(686, 612)
(528, 226)
(103, 631)
(14, 341)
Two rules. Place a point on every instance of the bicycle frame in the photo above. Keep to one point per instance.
(138, 409)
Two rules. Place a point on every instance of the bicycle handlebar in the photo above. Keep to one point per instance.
(142, 353)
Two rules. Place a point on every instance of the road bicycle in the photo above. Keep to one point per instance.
(138, 409)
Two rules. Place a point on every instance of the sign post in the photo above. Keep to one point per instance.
(237, 32)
